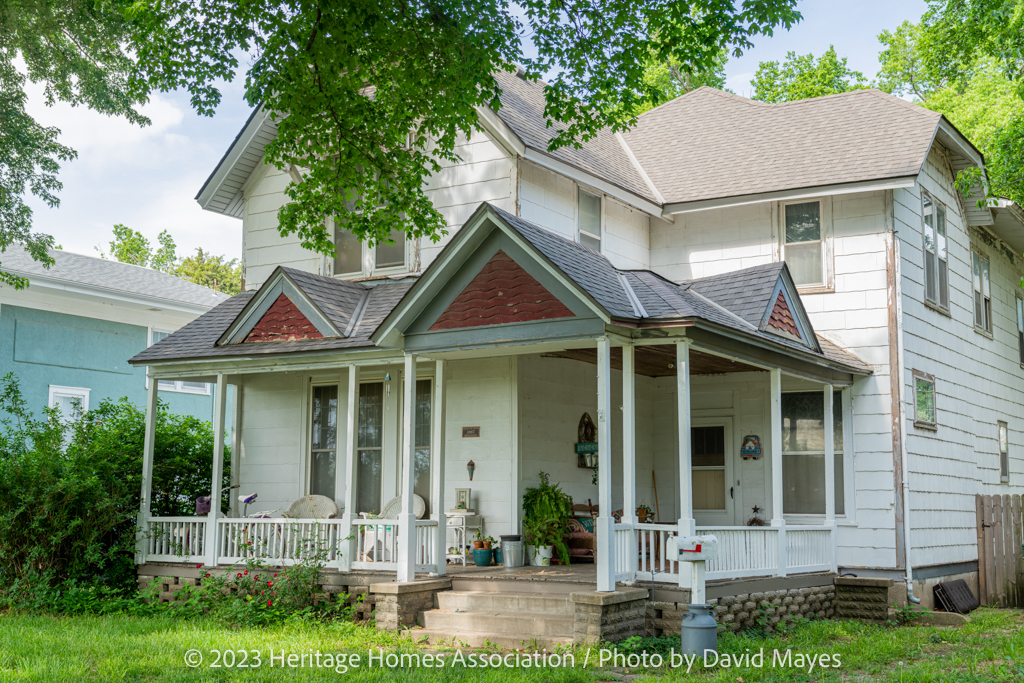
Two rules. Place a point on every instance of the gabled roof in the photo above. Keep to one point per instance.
(103, 276)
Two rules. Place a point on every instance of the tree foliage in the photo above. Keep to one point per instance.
(202, 268)
(668, 80)
(966, 59)
(79, 51)
(801, 76)
(370, 96)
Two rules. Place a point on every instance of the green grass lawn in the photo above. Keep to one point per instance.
(122, 648)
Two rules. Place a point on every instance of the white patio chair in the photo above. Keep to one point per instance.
(312, 507)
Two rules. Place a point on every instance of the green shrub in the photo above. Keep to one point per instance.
(546, 511)
(70, 492)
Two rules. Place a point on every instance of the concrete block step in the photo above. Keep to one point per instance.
(484, 639)
(546, 587)
(522, 624)
(475, 601)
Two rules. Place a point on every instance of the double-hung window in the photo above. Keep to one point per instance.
(1004, 452)
(324, 441)
(352, 257)
(589, 210)
(803, 244)
(71, 401)
(803, 452)
(421, 487)
(982, 292)
(936, 267)
(176, 385)
(369, 447)
(1020, 327)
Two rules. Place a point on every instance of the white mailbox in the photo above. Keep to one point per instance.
(692, 548)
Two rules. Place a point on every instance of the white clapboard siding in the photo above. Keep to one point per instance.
(978, 378)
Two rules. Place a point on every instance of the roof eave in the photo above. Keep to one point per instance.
(257, 119)
(114, 294)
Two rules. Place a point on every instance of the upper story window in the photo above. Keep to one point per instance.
(589, 212)
(176, 385)
(936, 268)
(352, 257)
(982, 292)
(803, 244)
(1020, 327)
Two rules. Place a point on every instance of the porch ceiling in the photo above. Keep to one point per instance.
(659, 361)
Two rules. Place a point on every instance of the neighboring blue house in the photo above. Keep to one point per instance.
(69, 335)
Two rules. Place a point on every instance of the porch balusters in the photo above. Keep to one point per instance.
(406, 518)
(350, 546)
(437, 471)
(605, 536)
(219, 408)
(145, 502)
(778, 521)
(687, 524)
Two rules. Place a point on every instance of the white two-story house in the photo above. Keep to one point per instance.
(780, 314)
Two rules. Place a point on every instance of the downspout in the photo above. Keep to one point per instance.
(899, 370)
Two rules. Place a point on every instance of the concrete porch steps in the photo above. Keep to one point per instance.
(503, 618)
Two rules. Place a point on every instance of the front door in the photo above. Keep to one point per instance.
(715, 489)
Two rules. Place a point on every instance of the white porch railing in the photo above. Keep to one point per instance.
(742, 552)
(278, 540)
(376, 544)
(624, 548)
(175, 539)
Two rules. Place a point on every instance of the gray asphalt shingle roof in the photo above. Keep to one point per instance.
(709, 144)
(734, 300)
(112, 276)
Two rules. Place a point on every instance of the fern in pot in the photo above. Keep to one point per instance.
(546, 511)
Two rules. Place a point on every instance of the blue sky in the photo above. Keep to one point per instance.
(147, 178)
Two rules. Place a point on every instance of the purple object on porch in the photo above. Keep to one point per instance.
(202, 506)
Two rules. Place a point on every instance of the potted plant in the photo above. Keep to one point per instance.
(644, 513)
(546, 511)
(483, 554)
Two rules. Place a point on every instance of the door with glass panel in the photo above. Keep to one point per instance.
(715, 489)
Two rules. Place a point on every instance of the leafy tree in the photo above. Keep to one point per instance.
(369, 96)
(668, 80)
(211, 271)
(970, 50)
(80, 52)
(801, 77)
(131, 246)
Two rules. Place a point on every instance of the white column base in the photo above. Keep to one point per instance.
(604, 527)
(406, 547)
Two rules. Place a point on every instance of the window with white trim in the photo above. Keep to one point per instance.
(1020, 326)
(936, 263)
(803, 453)
(323, 441)
(180, 386)
(1004, 451)
(588, 210)
(803, 243)
(982, 292)
(71, 401)
(353, 257)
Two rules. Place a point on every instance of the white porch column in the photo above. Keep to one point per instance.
(687, 525)
(830, 470)
(145, 501)
(778, 521)
(406, 518)
(605, 534)
(629, 450)
(349, 547)
(220, 399)
(437, 471)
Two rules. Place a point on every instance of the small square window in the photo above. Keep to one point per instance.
(72, 402)
(803, 248)
(589, 208)
(982, 292)
(924, 400)
(1004, 452)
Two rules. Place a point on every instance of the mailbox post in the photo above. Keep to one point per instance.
(699, 632)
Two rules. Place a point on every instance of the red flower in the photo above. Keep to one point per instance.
(246, 571)
(275, 575)
(239, 576)
(207, 575)
(199, 566)
(268, 603)
(269, 584)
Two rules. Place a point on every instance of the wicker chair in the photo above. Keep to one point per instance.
(312, 507)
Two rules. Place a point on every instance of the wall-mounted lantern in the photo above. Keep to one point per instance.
(470, 466)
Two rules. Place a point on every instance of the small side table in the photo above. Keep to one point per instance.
(459, 523)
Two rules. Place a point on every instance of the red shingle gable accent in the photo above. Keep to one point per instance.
(502, 292)
(782, 318)
(283, 321)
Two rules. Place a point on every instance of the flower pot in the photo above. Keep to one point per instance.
(498, 557)
(540, 556)
(487, 544)
(482, 557)
(478, 545)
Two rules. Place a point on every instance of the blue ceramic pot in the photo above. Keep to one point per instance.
(498, 559)
(482, 556)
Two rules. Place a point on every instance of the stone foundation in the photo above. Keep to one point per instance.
(608, 617)
(748, 610)
(398, 603)
(864, 599)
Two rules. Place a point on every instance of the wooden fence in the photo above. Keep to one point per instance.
(1000, 562)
